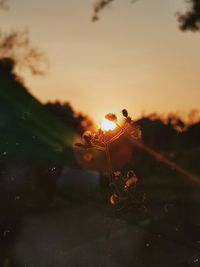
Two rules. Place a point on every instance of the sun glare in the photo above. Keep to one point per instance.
(107, 125)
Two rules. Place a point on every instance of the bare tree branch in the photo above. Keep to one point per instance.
(188, 21)
(99, 5)
(16, 45)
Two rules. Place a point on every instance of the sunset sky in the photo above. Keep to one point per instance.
(134, 57)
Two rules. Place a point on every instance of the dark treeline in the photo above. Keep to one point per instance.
(69, 116)
(173, 138)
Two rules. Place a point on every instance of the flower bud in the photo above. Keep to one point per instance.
(125, 113)
(114, 200)
(111, 117)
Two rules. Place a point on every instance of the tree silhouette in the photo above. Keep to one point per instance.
(77, 121)
(190, 20)
(16, 45)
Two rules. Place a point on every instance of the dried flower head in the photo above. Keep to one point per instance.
(111, 117)
(114, 199)
(123, 187)
(131, 181)
(117, 173)
(125, 113)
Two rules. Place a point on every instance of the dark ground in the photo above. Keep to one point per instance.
(90, 234)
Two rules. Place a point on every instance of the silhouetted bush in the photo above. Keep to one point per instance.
(7, 65)
(66, 113)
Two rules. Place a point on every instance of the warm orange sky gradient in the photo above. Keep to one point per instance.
(135, 57)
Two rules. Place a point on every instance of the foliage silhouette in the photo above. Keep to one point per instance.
(190, 20)
(67, 114)
(17, 46)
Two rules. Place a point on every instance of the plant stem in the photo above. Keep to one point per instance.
(110, 169)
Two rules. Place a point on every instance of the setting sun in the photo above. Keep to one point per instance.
(107, 125)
